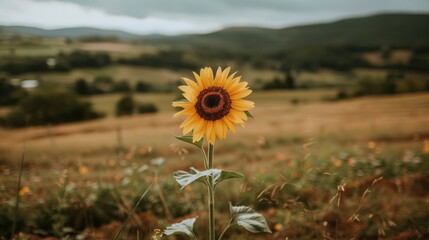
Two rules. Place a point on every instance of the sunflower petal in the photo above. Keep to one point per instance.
(192, 84)
(241, 94)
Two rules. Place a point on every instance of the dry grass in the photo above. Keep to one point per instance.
(353, 120)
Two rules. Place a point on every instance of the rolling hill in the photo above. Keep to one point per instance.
(384, 29)
(75, 32)
(393, 29)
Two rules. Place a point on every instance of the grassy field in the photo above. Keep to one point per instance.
(309, 149)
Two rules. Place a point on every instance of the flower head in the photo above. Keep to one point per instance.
(213, 104)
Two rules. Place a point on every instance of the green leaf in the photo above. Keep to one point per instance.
(185, 178)
(222, 175)
(189, 139)
(184, 228)
(249, 219)
(248, 114)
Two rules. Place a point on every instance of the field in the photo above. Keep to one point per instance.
(306, 148)
(338, 147)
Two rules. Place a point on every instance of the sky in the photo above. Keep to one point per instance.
(172, 17)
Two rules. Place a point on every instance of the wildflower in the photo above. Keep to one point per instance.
(351, 161)
(213, 104)
(425, 149)
(278, 227)
(24, 191)
(371, 145)
(337, 163)
(83, 170)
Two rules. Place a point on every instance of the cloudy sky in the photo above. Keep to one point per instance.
(190, 16)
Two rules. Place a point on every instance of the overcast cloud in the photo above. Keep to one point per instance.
(190, 16)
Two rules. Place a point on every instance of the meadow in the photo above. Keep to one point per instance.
(312, 175)
(341, 153)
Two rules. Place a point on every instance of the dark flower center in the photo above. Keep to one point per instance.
(213, 103)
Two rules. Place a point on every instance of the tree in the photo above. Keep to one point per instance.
(50, 107)
(147, 108)
(125, 105)
(143, 86)
(81, 87)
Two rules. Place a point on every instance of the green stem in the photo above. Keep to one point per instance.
(224, 231)
(211, 196)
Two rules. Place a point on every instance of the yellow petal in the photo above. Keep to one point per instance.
(229, 124)
(188, 121)
(242, 105)
(182, 104)
(192, 84)
(189, 93)
(206, 75)
(218, 128)
(233, 116)
(185, 112)
(218, 77)
(239, 87)
(232, 83)
(199, 130)
(241, 94)
(209, 131)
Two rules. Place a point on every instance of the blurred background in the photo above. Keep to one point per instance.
(338, 149)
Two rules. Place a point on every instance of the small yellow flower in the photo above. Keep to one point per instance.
(337, 163)
(425, 149)
(351, 161)
(24, 191)
(213, 104)
(83, 170)
(112, 162)
(371, 144)
(278, 227)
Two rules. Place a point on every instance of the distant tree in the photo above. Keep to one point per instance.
(289, 79)
(125, 105)
(121, 86)
(10, 94)
(50, 107)
(81, 87)
(147, 108)
(143, 86)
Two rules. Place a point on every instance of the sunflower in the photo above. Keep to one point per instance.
(213, 104)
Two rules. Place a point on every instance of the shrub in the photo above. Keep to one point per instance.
(143, 86)
(49, 107)
(82, 87)
(125, 105)
(10, 94)
(147, 108)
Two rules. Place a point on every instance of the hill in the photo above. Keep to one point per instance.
(393, 29)
(407, 30)
(75, 32)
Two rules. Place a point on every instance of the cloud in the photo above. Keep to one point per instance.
(186, 16)
(53, 14)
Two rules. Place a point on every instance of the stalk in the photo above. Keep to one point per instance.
(211, 196)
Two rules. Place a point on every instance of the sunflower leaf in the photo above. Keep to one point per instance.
(222, 175)
(188, 139)
(249, 219)
(185, 178)
(248, 114)
(184, 228)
